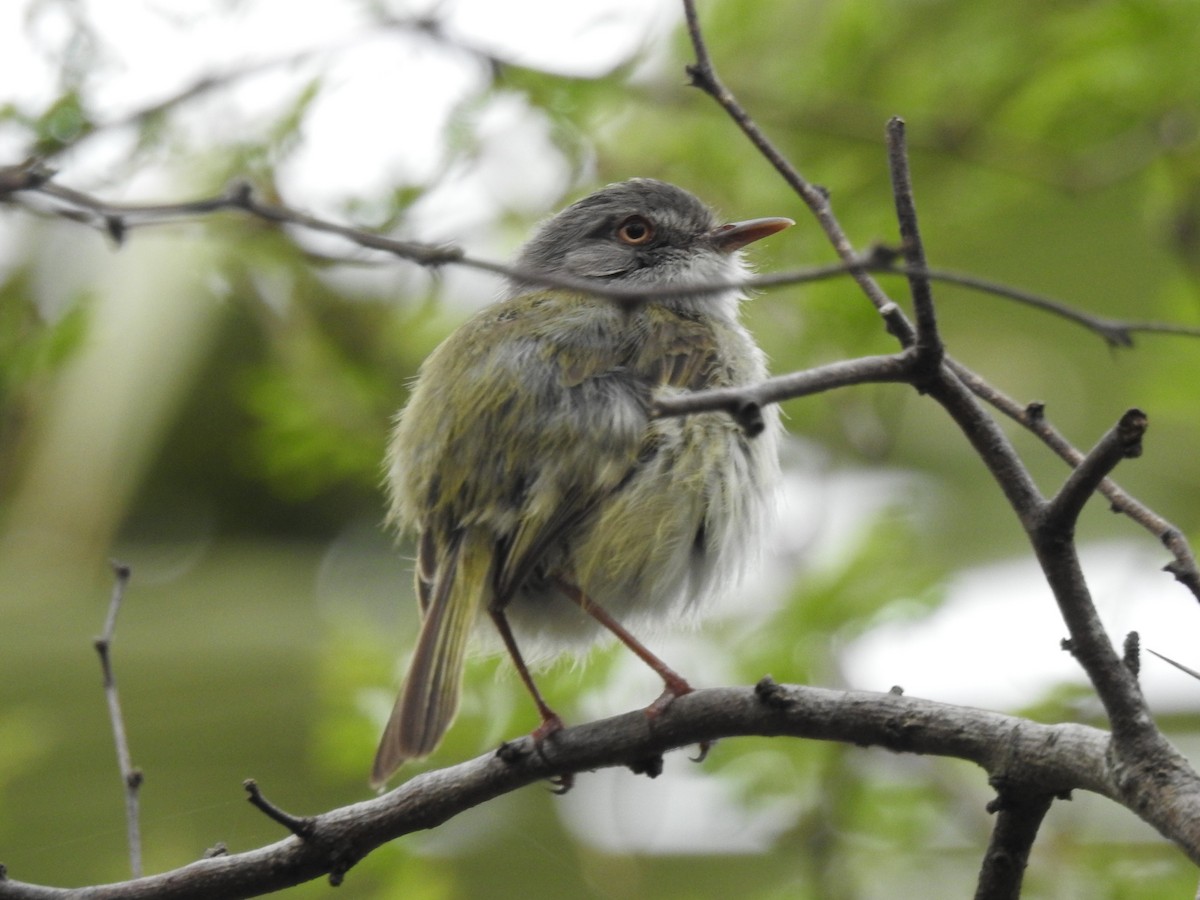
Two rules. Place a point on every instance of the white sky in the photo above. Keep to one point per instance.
(385, 97)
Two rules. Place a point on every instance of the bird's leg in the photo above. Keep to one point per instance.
(551, 722)
(676, 685)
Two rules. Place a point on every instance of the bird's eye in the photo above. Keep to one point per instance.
(635, 231)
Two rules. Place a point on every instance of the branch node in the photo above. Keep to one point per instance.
(1132, 655)
(896, 690)
(130, 776)
(218, 849)
(1130, 431)
(895, 323)
(770, 693)
(301, 826)
(881, 256)
(25, 176)
(1185, 575)
(116, 228)
(240, 193)
(651, 766)
(1035, 412)
(512, 752)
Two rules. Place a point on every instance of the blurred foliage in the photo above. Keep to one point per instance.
(1054, 147)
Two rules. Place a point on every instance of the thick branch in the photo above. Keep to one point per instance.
(1019, 814)
(1050, 758)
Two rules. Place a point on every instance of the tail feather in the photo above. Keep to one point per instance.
(427, 704)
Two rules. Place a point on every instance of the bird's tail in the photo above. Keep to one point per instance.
(429, 699)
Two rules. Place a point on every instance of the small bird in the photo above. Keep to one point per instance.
(540, 488)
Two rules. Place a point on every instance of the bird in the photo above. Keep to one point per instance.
(542, 491)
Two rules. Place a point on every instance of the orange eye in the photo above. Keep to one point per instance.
(635, 231)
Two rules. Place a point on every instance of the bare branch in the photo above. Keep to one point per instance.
(1032, 417)
(1123, 441)
(1139, 747)
(1019, 814)
(301, 826)
(32, 177)
(735, 401)
(1180, 666)
(929, 344)
(131, 777)
(704, 76)
(1051, 759)
(1116, 332)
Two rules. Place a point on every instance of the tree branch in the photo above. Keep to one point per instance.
(1019, 814)
(1032, 417)
(929, 343)
(704, 76)
(131, 777)
(116, 220)
(1141, 754)
(1050, 758)
(738, 400)
(1123, 441)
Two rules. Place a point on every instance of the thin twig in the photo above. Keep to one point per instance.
(1140, 753)
(131, 777)
(704, 76)
(929, 344)
(300, 826)
(1116, 332)
(1122, 441)
(1180, 666)
(1032, 417)
(33, 178)
(864, 370)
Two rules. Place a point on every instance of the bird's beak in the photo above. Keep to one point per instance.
(736, 235)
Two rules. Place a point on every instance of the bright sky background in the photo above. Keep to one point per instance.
(385, 99)
(379, 120)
